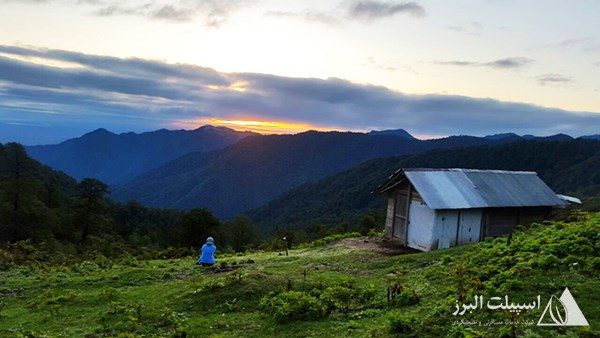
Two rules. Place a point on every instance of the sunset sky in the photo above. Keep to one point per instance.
(434, 68)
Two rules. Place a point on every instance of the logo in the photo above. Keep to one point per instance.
(562, 311)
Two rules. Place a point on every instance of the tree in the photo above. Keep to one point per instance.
(196, 225)
(241, 233)
(91, 191)
(18, 190)
(367, 222)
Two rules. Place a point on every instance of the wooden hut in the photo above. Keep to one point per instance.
(438, 208)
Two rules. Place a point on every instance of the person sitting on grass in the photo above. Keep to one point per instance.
(207, 253)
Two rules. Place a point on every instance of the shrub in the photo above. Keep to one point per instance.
(103, 262)
(6, 260)
(594, 263)
(293, 305)
(407, 297)
(328, 239)
(338, 298)
(548, 261)
(22, 252)
(401, 324)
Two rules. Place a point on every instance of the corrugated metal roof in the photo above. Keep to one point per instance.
(469, 188)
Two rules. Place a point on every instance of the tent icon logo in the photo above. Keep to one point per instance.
(562, 311)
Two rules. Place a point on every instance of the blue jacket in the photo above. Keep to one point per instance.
(207, 255)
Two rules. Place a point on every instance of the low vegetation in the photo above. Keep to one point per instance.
(319, 290)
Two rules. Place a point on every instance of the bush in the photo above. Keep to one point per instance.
(594, 263)
(408, 297)
(293, 305)
(338, 298)
(6, 260)
(328, 239)
(548, 261)
(401, 324)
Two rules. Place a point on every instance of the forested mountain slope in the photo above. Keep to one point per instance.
(257, 169)
(33, 197)
(571, 167)
(114, 158)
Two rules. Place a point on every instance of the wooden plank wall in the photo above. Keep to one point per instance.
(502, 221)
(389, 218)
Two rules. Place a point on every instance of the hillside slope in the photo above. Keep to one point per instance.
(568, 167)
(337, 290)
(33, 197)
(116, 158)
(257, 169)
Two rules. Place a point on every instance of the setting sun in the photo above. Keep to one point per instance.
(262, 127)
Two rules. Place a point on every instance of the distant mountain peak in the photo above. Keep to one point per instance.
(591, 137)
(392, 132)
(118, 158)
(502, 136)
(100, 132)
(208, 127)
(558, 137)
(221, 129)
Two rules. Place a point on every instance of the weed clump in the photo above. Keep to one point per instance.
(293, 305)
(401, 324)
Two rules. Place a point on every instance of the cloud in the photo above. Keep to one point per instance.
(585, 44)
(365, 11)
(472, 27)
(506, 63)
(459, 63)
(91, 2)
(214, 12)
(113, 10)
(131, 66)
(308, 15)
(137, 95)
(553, 79)
(371, 62)
(171, 13)
(32, 1)
(509, 63)
(369, 10)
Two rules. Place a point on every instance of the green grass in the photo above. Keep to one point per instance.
(164, 298)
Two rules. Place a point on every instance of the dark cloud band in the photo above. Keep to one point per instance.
(136, 93)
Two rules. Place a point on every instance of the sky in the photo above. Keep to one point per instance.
(434, 68)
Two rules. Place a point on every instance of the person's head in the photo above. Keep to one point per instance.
(210, 241)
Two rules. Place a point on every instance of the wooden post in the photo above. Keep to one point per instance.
(286, 245)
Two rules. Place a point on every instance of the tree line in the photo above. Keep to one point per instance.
(42, 205)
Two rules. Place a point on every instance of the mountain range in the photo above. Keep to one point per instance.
(568, 167)
(231, 172)
(257, 169)
(116, 159)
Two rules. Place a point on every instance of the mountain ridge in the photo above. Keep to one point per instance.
(571, 166)
(257, 169)
(117, 158)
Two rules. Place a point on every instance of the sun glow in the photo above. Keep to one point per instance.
(262, 127)
(44, 61)
(239, 86)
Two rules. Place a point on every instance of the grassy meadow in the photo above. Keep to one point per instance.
(322, 290)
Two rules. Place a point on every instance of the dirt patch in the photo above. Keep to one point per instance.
(378, 244)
